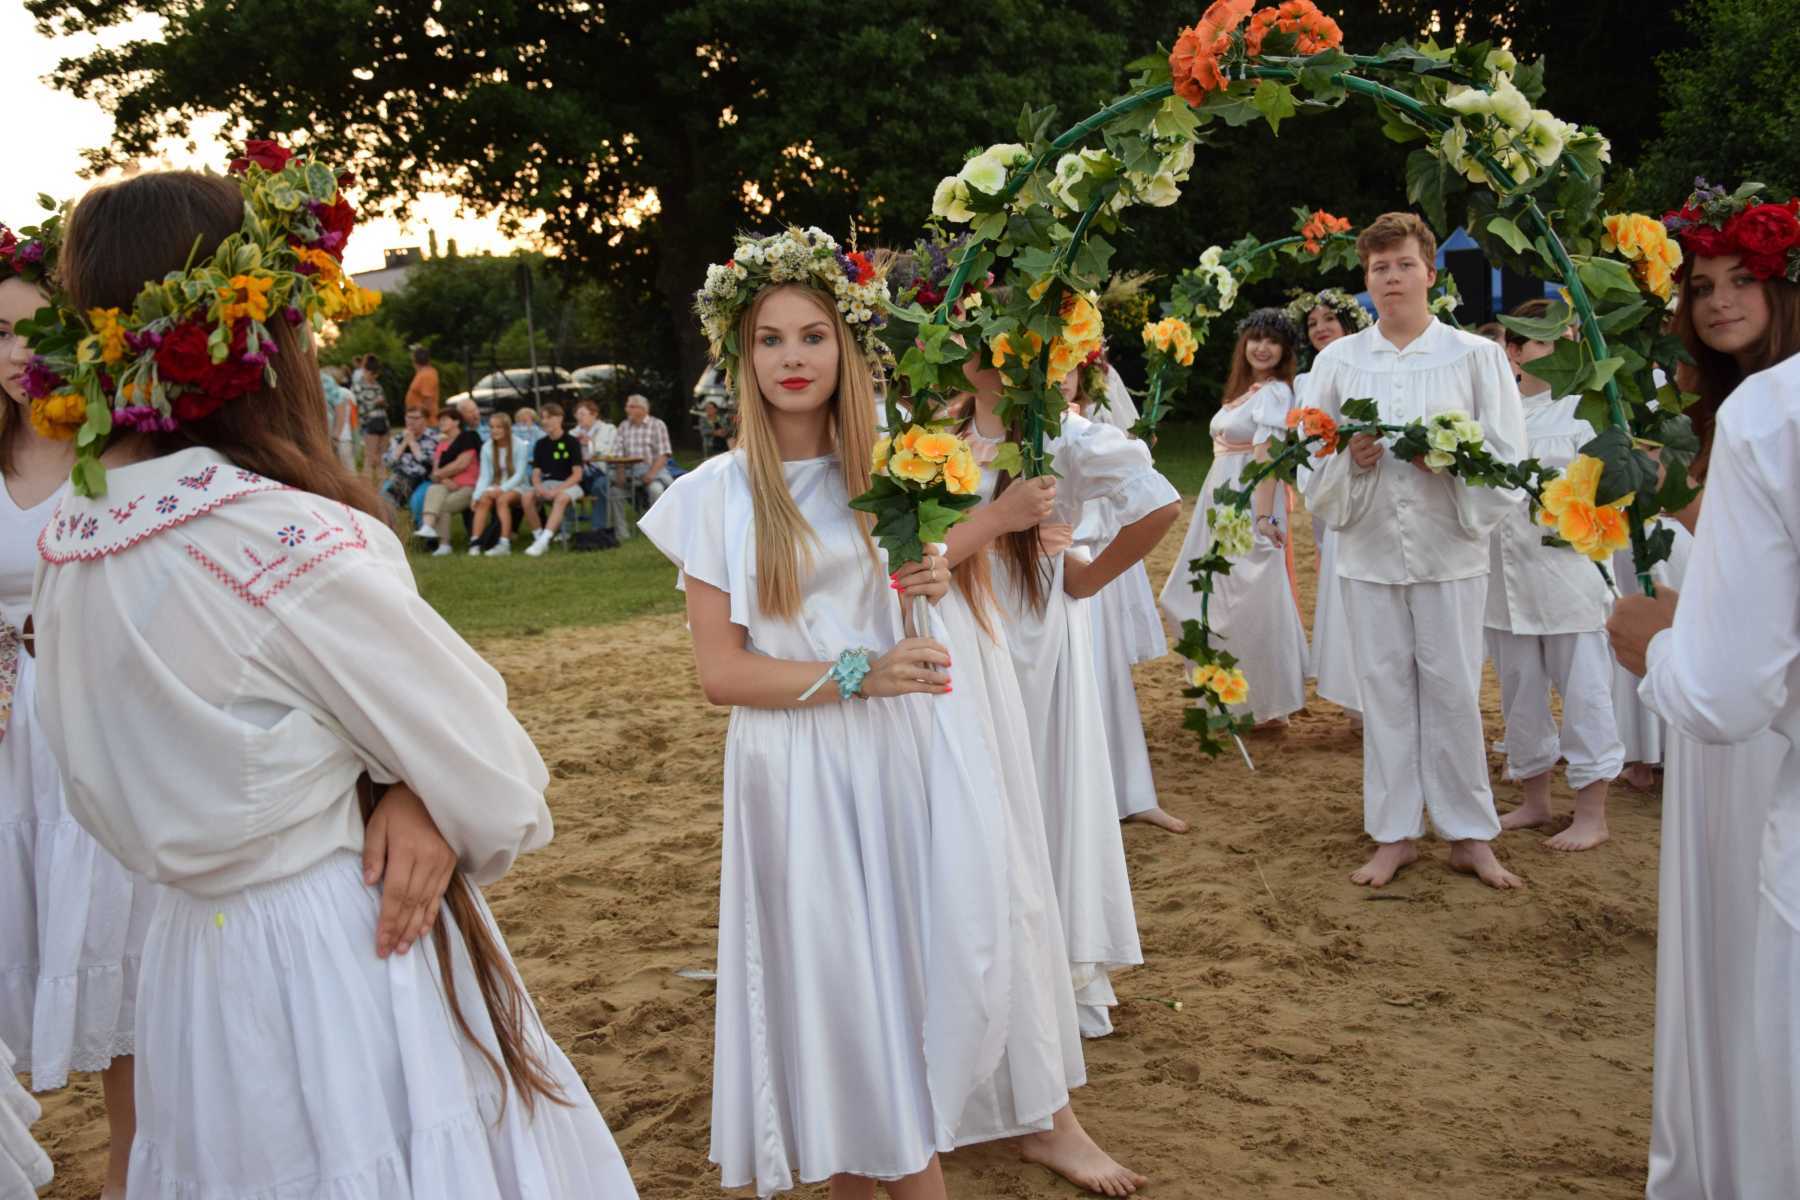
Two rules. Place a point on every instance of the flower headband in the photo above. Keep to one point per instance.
(1337, 300)
(1271, 322)
(200, 337)
(33, 256)
(809, 257)
(1714, 224)
(919, 276)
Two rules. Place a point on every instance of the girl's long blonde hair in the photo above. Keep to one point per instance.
(503, 446)
(783, 534)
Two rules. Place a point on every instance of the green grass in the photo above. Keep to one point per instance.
(519, 595)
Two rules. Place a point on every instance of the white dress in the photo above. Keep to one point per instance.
(1330, 664)
(1253, 613)
(1128, 629)
(1043, 1059)
(223, 658)
(864, 965)
(1640, 729)
(1053, 654)
(72, 920)
(1726, 1089)
(24, 1167)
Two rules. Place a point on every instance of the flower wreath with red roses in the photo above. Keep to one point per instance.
(198, 338)
(1719, 224)
(31, 253)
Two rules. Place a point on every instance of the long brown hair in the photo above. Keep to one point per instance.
(1020, 550)
(1243, 374)
(1717, 374)
(783, 535)
(124, 235)
(502, 446)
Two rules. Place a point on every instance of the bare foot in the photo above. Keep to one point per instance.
(1160, 818)
(1589, 829)
(1529, 815)
(1070, 1152)
(1389, 857)
(1534, 805)
(1639, 777)
(1476, 858)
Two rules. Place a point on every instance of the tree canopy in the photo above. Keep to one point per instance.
(643, 135)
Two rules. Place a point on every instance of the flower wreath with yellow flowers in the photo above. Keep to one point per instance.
(809, 257)
(200, 337)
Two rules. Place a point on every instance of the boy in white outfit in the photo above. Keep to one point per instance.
(1413, 558)
(1546, 620)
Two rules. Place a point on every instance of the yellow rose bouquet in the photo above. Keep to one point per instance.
(923, 480)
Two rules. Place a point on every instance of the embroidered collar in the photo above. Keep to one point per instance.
(145, 499)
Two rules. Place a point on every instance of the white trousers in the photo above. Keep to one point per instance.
(1579, 666)
(1418, 662)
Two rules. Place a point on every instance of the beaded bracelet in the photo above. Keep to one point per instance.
(850, 669)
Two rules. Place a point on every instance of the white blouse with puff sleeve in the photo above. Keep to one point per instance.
(224, 656)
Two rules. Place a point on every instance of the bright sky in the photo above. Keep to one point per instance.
(45, 131)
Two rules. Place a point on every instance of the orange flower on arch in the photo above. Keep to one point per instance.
(1320, 226)
(1194, 63)
(1311, 30)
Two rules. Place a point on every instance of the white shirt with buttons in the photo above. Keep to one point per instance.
(1400, 525)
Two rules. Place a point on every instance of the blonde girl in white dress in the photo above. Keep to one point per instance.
(231, 640)
(1255, 612)
(72, 920)
(865, 936)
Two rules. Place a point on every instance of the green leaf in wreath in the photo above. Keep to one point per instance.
(1275, 101)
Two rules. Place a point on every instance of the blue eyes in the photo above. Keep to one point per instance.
(811, 339)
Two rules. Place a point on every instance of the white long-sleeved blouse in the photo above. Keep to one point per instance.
(1730, 666)
(1400, 525)
(222, 657)
(1534, 588)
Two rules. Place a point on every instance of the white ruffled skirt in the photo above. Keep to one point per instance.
(72, 920)
(24, 1167)
(279, 1057)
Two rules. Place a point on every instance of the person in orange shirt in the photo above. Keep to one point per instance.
(422, 392)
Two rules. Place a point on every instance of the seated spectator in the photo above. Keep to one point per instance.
(452, 487)
(646, 437)
(409, 459)
(717, 432)
(526, 427)
(471, 417)
(502, 483)
(555, 479)
(597, 438)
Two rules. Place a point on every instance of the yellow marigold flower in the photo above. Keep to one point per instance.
(110, 335)
(1570, 509)
(1064, 357)
(1202, 675)
(327, 268)
(58, 416)
(936, 446)
(879, 460)
(1081, 319)
(248, 296)
(962, 475)
(1036, 291)
(910, 466)
(909, 437)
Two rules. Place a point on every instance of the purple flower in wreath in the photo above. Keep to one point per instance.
(28, 254)
(167, 505)
(39, 380)
(290, 535)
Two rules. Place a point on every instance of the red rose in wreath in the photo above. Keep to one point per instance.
(183, 356)
(270, 156)
(336, 221)
(1766, 232)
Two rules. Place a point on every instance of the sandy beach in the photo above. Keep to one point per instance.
(1290, 1034)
